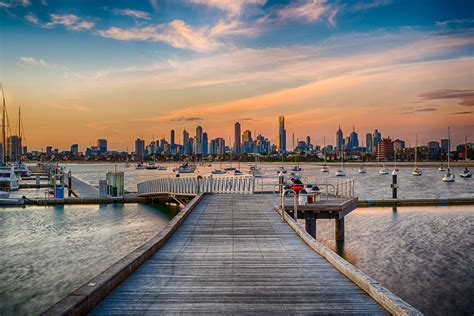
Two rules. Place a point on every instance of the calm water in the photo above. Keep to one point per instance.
(424, 255)
(47, 252)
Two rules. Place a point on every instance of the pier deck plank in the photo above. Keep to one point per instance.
(83, 189)
(234, 255)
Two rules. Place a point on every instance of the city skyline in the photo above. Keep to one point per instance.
(124, 70)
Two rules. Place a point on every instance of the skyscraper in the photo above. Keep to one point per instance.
(102, 145)
(74, 149)
(237, 144)
(354, 139)
(368, 143)
(186, 146)
(205, 144)
(139, 149)
(281, 140)
(377, 138)
(15, 147)
(198, 144)
(172, 143)
(339, 138)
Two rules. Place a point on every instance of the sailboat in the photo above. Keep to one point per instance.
(219, 171)
(362, 169)
(441, 168)
(237, 171)
(417, 171)
(448, 177)
(384, 170)
(325, 168)
(254, 169)
(466, 173)
(341, 172)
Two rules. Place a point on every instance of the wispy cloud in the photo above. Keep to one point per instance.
(176, 33)
(26, 60)
(454, 22)
(187, 119)
(371, 4)
(466, 96)
(231, 7)
(72, 107)
(69, 21)
(462, 113)
(132, 13)
(309, 10)
(14, 3)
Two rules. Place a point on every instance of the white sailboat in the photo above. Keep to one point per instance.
(449, 177)
(466, 173)
(341, 172)
(384, 170)
(362, 169)
(417, 171)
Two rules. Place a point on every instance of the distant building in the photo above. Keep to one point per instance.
(187, 148)
(15, 148)
(369, 145)
(102, 145)
(377, 138)
(198, 143)
(339, 138)
(218, 146)
(308, 141)
(237, 144)
(281, 140)
(444, 146)
(49, 150)
(248, 145)
(398, 145)
(384, 150)
(74, 149)
(434, 150)
(139, 149)
(172, 140)
(354, 139)
(205, 144)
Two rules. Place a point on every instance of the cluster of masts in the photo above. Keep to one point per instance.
(417, 171)
(6, 131)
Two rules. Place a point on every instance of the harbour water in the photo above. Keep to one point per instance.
(47, 252)
(423, 254)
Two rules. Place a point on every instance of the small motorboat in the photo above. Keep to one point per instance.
(162, 168)
(151, 166)
(296, 168)
(294, 184)
(384, 170)
(417, 172)
(218, 171)
(186, 168)
(140, 166)
(448, 177)
(441, 168)
(324, 169)
(362, 170)
(237, 172)
(466, 173)
(341, 173)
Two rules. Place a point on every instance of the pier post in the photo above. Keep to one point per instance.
(310, 223)
(340, 229)
(281, 182)
(394, 185)
(69, 183)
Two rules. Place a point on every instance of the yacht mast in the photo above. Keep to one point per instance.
(4, 149)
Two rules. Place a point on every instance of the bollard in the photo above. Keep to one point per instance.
(394, 185)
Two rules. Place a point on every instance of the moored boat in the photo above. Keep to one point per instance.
(8, 179)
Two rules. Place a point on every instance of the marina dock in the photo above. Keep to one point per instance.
(229, 253)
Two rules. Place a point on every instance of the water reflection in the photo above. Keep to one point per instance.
(422, 254)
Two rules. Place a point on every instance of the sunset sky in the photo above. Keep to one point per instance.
(82, 70)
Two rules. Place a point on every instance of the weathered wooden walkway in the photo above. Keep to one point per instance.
(234, 255)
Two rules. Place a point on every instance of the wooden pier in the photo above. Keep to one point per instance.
(230, 253)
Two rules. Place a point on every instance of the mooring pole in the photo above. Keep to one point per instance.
(340, 229)
(310, 223)
(394, 185)
(69, 183)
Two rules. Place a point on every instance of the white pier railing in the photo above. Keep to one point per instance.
(244, 184)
